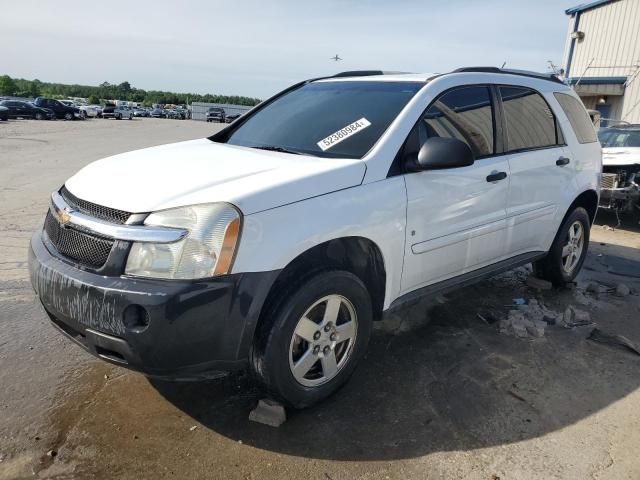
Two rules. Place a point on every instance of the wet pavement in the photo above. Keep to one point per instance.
(441, 393)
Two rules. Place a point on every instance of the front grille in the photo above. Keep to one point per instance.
(609, 180)
(88, 250)
(98, 211)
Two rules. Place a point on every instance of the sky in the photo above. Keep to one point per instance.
(256, 48)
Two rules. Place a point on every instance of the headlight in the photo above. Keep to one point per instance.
(206, 251)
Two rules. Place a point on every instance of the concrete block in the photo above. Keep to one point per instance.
(268, 412)
(538, 283)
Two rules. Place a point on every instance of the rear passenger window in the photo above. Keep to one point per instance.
(578, 118)
(466, 114)
(529, 121)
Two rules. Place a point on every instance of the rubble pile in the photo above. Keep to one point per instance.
(532, 318)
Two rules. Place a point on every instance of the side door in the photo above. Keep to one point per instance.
(20, 109)
(542, 170)
(57, 108)
(28, 110)
(456, 218)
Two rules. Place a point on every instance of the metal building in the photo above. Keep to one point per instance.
(602, 57)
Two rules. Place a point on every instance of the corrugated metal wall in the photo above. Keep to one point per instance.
(610, 48)
(199, 109)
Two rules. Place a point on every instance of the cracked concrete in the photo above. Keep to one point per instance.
(440, 394)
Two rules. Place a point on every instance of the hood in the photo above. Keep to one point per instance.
(202, 171)
(620, 156)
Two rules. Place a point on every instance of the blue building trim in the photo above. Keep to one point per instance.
(587, 6)
(596, 80)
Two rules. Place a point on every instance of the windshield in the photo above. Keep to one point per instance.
(326, 119)
(619, 137)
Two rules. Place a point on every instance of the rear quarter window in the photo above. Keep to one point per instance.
(578, 117)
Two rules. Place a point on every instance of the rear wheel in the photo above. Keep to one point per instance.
(315, 340)
(568, 251)
(39, 116)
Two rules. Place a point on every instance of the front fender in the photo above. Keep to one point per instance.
(271, 239)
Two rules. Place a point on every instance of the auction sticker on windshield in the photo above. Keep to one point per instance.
(343, 134)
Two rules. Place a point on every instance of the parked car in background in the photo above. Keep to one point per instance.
(184, 113)
(140, 112)
(232, 117)
(59, 109)
(91, 111)
(19, 109)
(274, 244)
(4, 113)
(118, 112)
(620, 183)
(107, 110)
(158, 113)
(216, 114)
(175, 114)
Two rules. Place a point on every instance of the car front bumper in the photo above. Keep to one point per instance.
(179, 330)
(624, 197)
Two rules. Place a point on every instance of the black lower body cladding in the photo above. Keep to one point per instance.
(166, 329)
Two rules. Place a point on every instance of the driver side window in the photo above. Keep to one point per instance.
(465, 114)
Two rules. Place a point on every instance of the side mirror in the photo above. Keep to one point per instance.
(439, 153)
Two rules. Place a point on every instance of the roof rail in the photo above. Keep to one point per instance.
(365, 73)
(524, 73)
(358, 73)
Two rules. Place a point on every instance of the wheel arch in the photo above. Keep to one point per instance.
(587, 200)
(358, 255)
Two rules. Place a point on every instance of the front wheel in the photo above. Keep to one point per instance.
(568, 251)
(68, 116)
(39, 116)
(314, 339)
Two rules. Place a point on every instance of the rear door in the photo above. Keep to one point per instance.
(542, 170)
(456, 217)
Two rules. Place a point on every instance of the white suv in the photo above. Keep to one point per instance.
(275, 243)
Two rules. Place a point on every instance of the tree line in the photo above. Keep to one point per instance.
(20, 87)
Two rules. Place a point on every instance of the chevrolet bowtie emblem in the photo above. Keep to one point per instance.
(63, 217)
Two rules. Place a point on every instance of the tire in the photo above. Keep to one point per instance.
(39, 116)
(333, 350)
(130, 117)
(558, 267)
(118, 116)
(68, 116)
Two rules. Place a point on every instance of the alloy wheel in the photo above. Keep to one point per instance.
(323, 340)
(572, 251)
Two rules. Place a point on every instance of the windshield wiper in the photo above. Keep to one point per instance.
(274, 148)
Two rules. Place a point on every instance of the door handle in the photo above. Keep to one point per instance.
(495, 176)
(562, 161)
